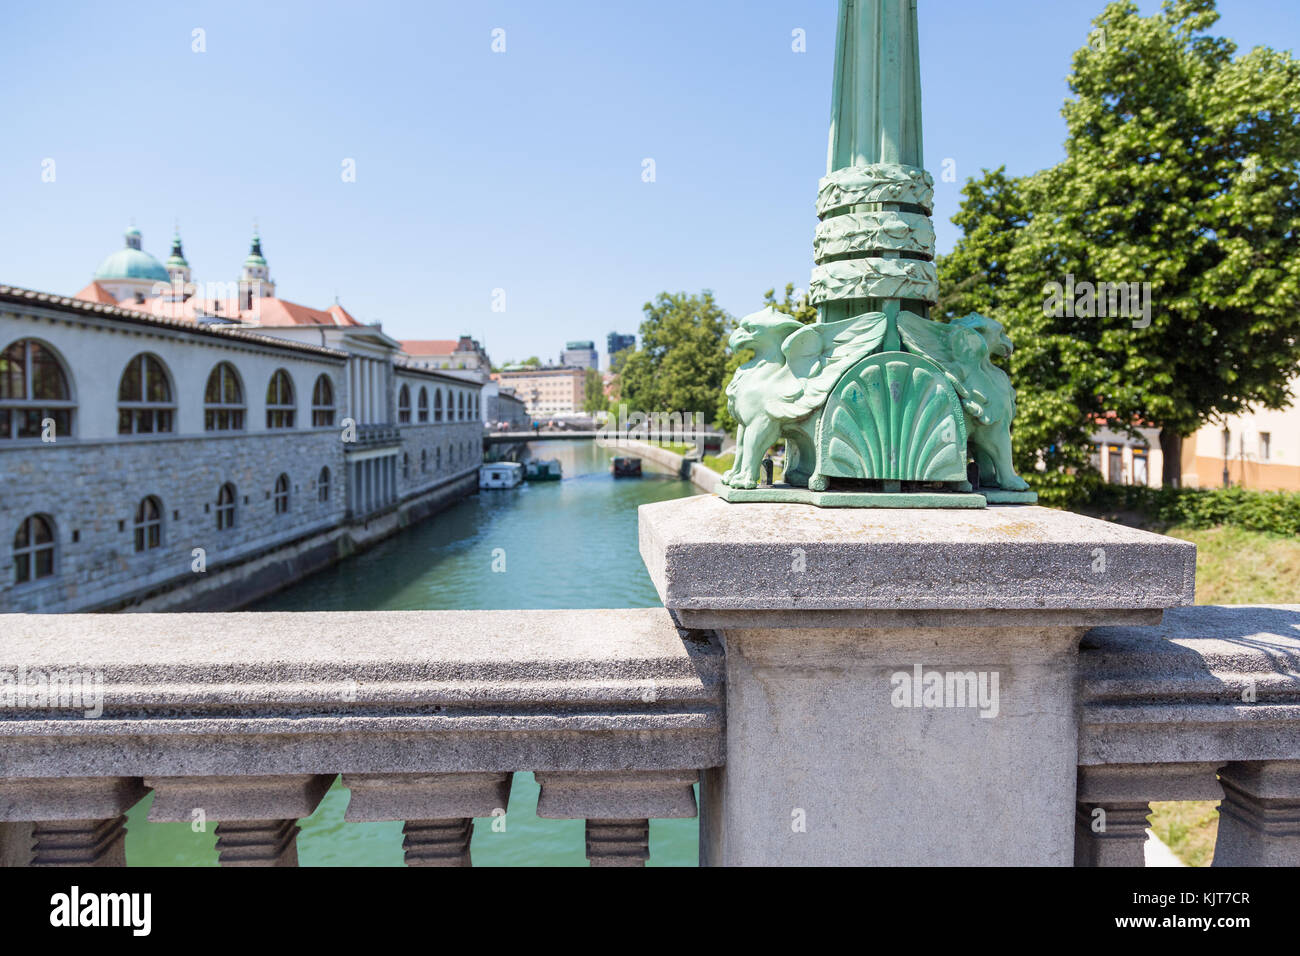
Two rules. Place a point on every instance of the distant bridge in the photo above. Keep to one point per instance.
(495, 438)
(502, 438)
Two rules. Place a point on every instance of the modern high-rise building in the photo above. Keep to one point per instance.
(580, 355)
(616, 342)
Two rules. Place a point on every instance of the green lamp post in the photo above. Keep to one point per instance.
(879, 405)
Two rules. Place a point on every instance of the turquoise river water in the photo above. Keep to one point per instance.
(568, 544)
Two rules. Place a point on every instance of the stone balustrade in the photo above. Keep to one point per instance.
(1205, 707)
(247, 719)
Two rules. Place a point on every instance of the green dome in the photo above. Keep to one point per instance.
(177, 259)
(255, 257)
(132, 263)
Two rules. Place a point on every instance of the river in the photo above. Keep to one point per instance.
(566, 544)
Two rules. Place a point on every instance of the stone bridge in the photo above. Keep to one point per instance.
(1009, 686)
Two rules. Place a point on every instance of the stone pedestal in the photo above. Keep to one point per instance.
(900, 684)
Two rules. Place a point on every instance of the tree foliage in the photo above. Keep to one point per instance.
(1182, 170)
(681, 363)
(593, 391)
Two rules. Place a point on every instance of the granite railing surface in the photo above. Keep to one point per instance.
(778, 698)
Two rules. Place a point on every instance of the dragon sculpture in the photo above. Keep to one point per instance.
(776, 393)
(780, 391)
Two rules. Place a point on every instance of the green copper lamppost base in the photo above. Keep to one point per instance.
(879, 405)
(788, 494)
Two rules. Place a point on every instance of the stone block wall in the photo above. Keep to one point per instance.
(438, 441)
(92, 490)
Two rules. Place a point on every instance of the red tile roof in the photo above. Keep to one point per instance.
(269, 311)
(96, 293)
(144, 314)
(341, 315)
(429, 346)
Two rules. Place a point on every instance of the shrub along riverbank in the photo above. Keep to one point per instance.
(1270, 512)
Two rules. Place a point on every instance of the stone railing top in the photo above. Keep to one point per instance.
(718, 564)
(400, 691)
(1212, 684)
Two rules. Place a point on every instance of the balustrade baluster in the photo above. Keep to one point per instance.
(618, 807)
(73, 821)
(256, 816)
(1259, 819)
(438, 809)
(1117, 835)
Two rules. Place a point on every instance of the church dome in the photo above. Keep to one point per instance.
(132, 262)
(255, 257)
(177, 259)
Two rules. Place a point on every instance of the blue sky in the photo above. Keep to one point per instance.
(478, 171)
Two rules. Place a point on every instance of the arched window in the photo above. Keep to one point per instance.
(404, 405)
(423, 407)
(424, 461)
(323, 484)
(460, 403)
(406, 465)
(223, 400)
(279, 401)
(33, 387)
(438, 458)
(226, 507)
(322, 403)
(477, 412)
(144, 398)
(148, 524)
(34, 549)
(281, 496)
(437, 404)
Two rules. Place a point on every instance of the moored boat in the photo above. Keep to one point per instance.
(548, 470)
(627, 467)
(500, 474)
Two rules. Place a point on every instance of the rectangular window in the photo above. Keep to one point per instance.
(1265, 446)
(1139, 466)
(1115, 465)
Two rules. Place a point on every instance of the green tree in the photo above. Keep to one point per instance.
(681, 363)
(1182, 170)
(593, 391)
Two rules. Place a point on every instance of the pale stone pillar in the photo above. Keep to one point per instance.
(833, 619)
(256, 816)
(1259, 818)
(70, 821)
(438, 809)
(617, 806)
(1114, 801)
